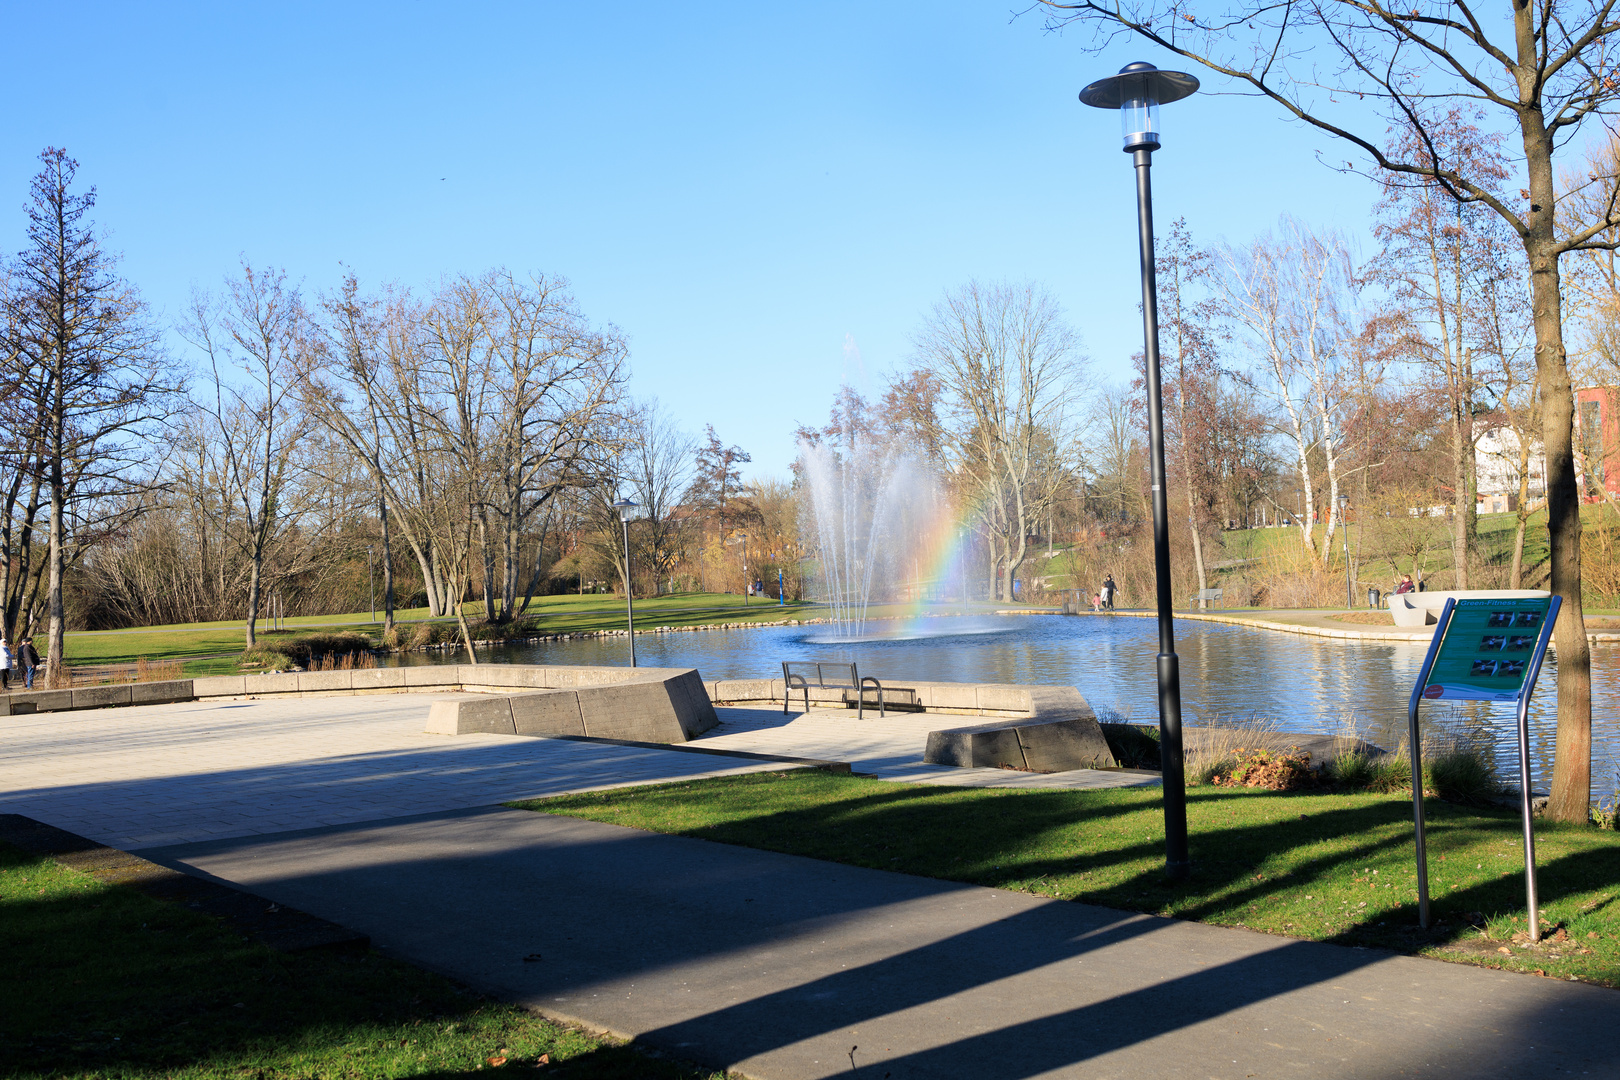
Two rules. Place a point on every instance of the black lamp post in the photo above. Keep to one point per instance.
(1349, 578)
(625, 508)
(1137, 91)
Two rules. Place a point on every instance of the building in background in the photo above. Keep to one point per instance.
(1597, 440)
(1497, 460)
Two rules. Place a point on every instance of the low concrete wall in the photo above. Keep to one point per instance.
(1042, 744)
(637, 704)
(1010, 700)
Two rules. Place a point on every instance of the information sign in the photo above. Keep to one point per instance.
(1487, 649)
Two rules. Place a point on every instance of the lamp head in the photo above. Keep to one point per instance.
(626, 509)
(1137, 92)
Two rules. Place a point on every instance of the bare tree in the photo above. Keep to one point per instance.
(658, 463)
(98, 378)
(253, 342)
(1008, 370)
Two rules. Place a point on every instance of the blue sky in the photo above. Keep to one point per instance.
(740, 188)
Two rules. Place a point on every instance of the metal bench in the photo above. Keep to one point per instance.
(1212, 595)
(805, 674)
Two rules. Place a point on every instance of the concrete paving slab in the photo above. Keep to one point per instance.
(780, 967)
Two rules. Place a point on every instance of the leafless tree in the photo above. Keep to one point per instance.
(1008, 369)
(253, 342)
(97, 379)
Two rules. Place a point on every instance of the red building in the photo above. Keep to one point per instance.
(1597, 442)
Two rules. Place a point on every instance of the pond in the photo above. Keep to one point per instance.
(1228, 674)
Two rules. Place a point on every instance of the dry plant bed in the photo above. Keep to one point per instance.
(1321, 865)
(106, 982)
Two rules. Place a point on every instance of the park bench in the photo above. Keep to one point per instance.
(1212, 595)
(847, 683)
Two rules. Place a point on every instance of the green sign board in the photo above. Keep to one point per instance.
(1487, 649)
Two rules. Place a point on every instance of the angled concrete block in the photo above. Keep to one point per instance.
(162, 692)
(219, 686)
(670, 709)
(283, 683)
(470, 715)
(100, 697)
(1065, 744)
(978, 747)
(547, 712)
(309, 681)
(384, 678)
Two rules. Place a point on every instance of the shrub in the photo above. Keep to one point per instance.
(157, 671)
(268, 659)
(1391, 772)
(1134, 746)
(1353, 770)
(1461, 776)
(1274, 770)
(424, 634)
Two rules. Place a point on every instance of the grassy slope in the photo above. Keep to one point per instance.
(1324, 866)
(105, 982)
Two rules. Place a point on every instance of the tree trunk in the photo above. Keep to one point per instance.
(1524, 511)
(55, 673)
(388, 563)
(1462, 444)
(1571, 788)
(253, 601)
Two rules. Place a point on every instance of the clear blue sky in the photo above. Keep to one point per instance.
(739, 187)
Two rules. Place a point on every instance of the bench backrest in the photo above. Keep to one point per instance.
(820, 672)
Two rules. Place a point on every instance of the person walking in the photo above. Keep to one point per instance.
(5, 662)
(1108, 591)
(28, 660)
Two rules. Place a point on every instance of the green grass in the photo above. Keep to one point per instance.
(102, 981)
(1329, 867)
(213, 648)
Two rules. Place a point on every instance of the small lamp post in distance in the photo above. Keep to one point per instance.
(626, 510)
(1137, 92)
(1349, 578)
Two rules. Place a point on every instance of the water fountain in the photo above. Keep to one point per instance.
(866, 514)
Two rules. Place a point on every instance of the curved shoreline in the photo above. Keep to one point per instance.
(1375, 634)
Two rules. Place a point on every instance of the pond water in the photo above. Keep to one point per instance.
(1228, 674)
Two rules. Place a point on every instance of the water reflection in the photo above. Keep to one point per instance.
(1229, 673)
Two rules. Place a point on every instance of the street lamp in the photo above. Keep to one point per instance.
(1349, 583)
(1137, 91)
(625, 508)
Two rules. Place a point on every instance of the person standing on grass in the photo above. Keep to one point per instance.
(28, 660)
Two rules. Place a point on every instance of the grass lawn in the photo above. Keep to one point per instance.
(211, 648)
(105, 982)
(1325, 866)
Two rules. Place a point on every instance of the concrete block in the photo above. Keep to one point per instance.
(100, 697)
(951, 696)
(974, 747)
(433, 675)
(219, 686)
(309, 681)
(283, 683)
(693, 710)
(384, 678)
(5, 705)
(1003, 698)
(673, 708)
(547, 712)
(42, 701)
(1065, 744)
(162, 692)
(750, 690)
(466, 715)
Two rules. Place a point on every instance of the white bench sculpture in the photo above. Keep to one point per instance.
(1417, 609)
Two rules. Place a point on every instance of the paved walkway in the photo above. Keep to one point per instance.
(890, 748)
(780, 967)
(164, 774)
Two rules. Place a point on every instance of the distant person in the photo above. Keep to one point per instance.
(1096, 602)
(1109, 592)
(28, 660)
(5, 663)
(1405, 585)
